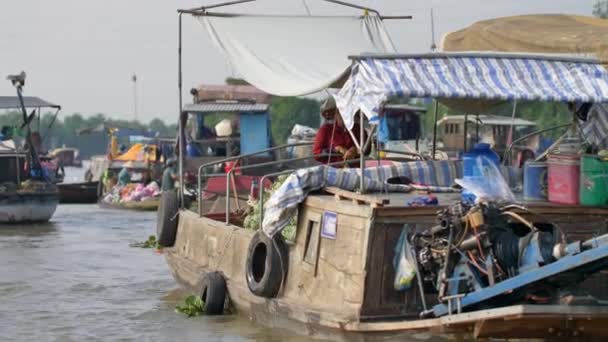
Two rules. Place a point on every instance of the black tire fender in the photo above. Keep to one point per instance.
(213, 293)
(166, 219)
(267, 265)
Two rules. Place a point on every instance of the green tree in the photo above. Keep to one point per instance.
(285, 112)
(600, 9)
(235, 81)
(159, 126)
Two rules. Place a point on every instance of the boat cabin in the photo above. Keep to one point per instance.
(240, 119)
(12, 165)
(486, 128)
(401, 130)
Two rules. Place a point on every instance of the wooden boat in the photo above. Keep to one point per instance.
(147, 205)
(337, 276)
(84, 193)
(346, 283)
(27, 206)
(27, 192)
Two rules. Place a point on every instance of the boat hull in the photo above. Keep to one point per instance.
(82, 193)
(148, 205)
(346, 271)
(27, 207)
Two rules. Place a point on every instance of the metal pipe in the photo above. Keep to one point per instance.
(512, 122)
(418, 155)
(201, 167)
(263, 179)
(228, 175)
(362, 153)
(434, 149)
(18, 168)
(46, 133)
(180, 123)
(477, 127)
(466, 126)
(338, 2)
(506, 156)
(370, 138)
(197, 10)
(232, 15)
(473, 54)
(395, 17)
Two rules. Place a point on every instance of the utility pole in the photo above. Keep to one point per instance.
(433, 45)
(134, 79)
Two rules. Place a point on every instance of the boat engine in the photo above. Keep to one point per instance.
(474, 247)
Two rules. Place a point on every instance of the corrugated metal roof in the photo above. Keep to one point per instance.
(495, 120)
(12, 102)
(233, 107)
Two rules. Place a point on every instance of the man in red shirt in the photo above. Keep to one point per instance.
(333, 137)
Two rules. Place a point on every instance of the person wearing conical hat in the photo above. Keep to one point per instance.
(124, 176)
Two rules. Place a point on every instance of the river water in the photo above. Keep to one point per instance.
(76, 278)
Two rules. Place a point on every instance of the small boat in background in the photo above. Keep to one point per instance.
(82, 193)
(67, 156)
(27, 189)
(24, 201)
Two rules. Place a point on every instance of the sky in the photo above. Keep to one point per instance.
(82, 54)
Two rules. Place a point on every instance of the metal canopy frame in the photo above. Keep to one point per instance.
(204, 11)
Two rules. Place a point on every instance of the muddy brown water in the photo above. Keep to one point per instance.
(76, 278)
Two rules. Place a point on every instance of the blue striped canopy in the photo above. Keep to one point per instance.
(374, 79)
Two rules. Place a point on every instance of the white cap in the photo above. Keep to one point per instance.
(328, 104)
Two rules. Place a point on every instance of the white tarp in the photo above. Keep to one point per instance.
(295, 55)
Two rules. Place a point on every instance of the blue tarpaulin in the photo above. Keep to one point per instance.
(374, 79)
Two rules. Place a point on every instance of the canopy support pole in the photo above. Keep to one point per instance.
(337, 2)
(434, 149)
(362, 154)
(203, 9)
(477, 127)
(510, 138)
(466, 123)
(48, 129)
(180, 124)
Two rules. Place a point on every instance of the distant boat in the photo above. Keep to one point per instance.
(81, 193)
(67, 156)
(23, 201)
(27, 191)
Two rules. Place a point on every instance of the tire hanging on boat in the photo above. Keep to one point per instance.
(166, 219)
(213, 293)
(267, 264)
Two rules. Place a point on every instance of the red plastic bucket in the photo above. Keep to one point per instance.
(563, 178)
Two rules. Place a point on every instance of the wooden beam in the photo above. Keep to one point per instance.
(340, 194)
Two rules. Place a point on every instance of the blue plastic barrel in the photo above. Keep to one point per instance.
(192, 150)
(535, 181)
(471, 168)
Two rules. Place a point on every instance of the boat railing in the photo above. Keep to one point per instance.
(249, 167)
(202, 167)
(507, 154)
(280, 173)
(406, 153)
